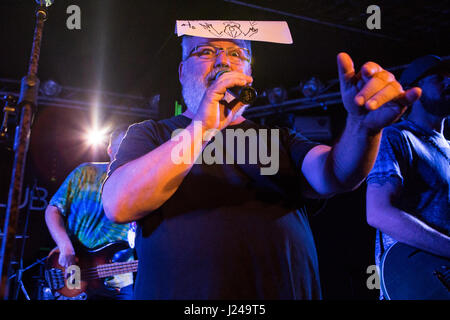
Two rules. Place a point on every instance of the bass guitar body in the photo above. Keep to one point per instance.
(88, 276)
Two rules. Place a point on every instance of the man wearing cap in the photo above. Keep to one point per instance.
(408, 193)
(225, 230)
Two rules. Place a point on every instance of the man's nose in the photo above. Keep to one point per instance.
(222, 59)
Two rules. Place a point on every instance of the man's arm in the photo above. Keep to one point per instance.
(343, 167)
(373, 100)
(400, 225)
(144, 184)
(55, 224)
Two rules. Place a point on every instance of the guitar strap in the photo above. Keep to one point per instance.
(380, 237)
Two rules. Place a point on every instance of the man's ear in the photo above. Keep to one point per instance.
(180, 71)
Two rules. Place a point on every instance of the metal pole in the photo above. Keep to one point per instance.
(26, 106)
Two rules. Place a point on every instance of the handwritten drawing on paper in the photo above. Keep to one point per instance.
(270, 31)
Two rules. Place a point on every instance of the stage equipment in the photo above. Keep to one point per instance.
(316, 128)
(9, 121)
(322, 101)
(51, 89)
(312, 87)
(277, 95)
(26, 108)
(19, 285)
(81, 99)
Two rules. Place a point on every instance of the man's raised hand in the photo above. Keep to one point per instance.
(372, 96)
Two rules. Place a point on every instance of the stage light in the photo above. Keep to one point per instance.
(277, 95)
(50, 88)
(312, 87)
(96, 137)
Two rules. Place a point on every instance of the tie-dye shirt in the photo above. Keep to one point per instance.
(79, 201)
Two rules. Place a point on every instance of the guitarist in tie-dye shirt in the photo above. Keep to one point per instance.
(75, 214)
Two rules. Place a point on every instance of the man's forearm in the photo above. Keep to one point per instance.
(353, 156)
(406, 228)
(400, 225)
(57, 229)
(144, 184)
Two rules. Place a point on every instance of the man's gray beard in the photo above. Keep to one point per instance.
(193, 93)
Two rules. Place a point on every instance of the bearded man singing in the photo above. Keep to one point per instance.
(225, 231)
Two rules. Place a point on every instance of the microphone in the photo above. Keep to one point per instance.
(246, 94)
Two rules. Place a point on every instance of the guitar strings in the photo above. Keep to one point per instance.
(97, 272)
(118, 266)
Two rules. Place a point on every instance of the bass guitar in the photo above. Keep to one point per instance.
(407, 273)
(93, 266)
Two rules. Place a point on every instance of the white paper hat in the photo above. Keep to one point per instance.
(268, 31)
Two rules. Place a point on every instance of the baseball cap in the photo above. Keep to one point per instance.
(421, 68)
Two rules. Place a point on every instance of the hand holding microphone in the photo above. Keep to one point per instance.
(245, 94)
(219, 107)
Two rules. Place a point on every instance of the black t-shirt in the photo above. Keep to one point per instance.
(228, 232)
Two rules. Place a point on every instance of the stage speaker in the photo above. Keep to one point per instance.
(314, 127)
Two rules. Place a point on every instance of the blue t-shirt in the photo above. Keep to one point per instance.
(228, 232)
(418, 160)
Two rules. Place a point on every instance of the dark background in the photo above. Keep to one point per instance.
(129, 48)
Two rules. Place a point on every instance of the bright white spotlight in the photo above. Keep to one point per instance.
(96, 137)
